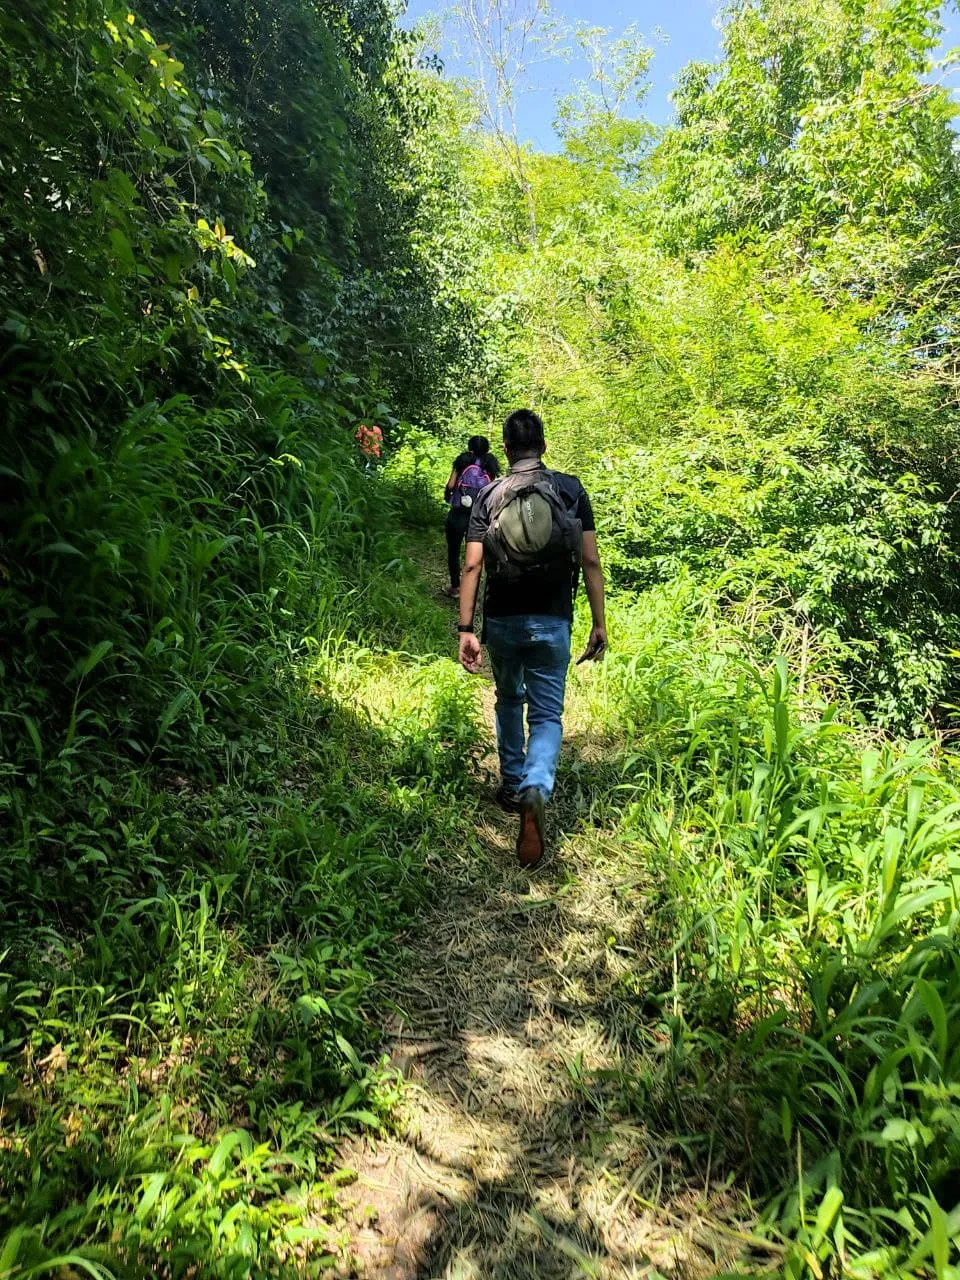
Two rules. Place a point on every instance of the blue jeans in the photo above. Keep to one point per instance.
(529, 655)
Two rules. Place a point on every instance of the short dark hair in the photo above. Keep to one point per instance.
(479, 446)
(523, 432)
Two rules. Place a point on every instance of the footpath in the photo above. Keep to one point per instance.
(517, 1153)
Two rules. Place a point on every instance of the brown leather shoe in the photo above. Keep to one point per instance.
(530, 836)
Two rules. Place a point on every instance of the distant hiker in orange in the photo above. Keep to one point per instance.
(472, 471)
(370, 440)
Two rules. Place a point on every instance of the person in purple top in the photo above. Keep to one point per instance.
(472, 471)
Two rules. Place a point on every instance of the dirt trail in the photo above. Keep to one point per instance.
(514, 1159)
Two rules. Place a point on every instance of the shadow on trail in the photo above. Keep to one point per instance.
(521, 1155)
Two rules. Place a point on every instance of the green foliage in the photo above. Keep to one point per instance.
(179, 1062)
(228, 741)
(357, 156)
(801, 889)
(733, 424)
(222, 250)
(818, 118)
(592, 121)
(779, 484)
(418, 472)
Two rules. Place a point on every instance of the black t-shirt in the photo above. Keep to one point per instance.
(544, 596)
(489, 463)
(458, 517)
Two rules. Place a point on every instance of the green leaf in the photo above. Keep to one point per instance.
(61, 548)
(934, 1006)
(362, 1117)
(69, 1260)
(310, 1007)
(34, 733)
(232, 1138)
(121, 186)
(786, 1120)
(348, 1051)
(911, 904)
(95, 656)
(11, 1249)
(826, 1213)
(899, 1130)
(172, 710)
(152, 1188)
(121, 249)
(939, 1239)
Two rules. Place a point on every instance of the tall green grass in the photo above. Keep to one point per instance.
(804, 905)
(189, 937)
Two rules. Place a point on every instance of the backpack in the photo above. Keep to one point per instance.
(532, 530)
(472, 482)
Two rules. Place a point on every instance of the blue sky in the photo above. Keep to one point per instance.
(688, 30)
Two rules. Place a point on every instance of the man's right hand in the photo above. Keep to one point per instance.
(596, 645)
(471, 655)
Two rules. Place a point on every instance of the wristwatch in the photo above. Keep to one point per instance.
(463, 627)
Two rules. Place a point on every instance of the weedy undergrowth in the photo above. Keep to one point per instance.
(183, 1001)
(206, 842)
(805, 908)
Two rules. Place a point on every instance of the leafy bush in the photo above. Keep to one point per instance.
(206, 847)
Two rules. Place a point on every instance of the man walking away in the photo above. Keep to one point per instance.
(531, 532)
(472, 472)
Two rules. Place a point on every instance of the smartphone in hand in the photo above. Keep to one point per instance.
(596, 646)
